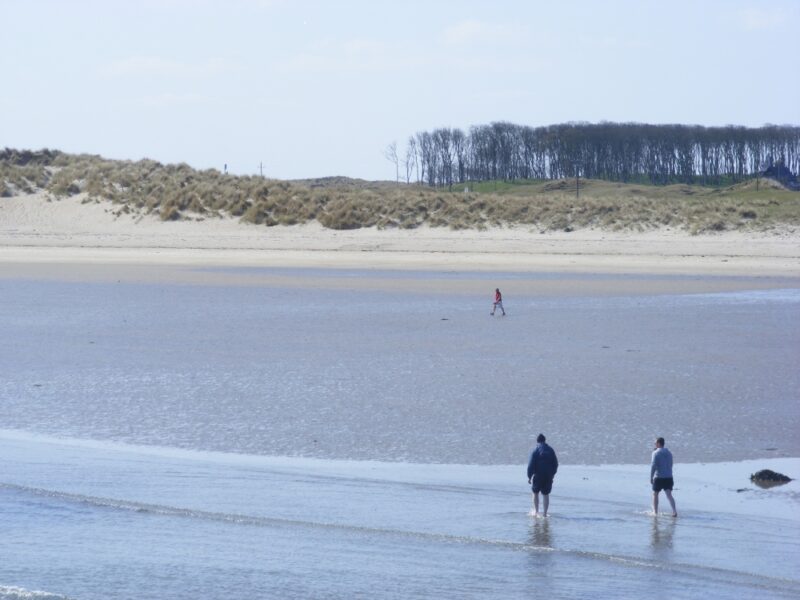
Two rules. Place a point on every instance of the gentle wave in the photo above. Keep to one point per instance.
(18, 593)
(240, 519)
(706, 573)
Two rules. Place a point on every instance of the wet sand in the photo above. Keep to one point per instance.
(459, 282)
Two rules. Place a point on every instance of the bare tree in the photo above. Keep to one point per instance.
(391, 155)
(661, 154)
(410, 161)
(443, 146)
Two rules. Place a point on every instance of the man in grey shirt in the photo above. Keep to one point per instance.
(661, 475)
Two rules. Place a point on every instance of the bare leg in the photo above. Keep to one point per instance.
(671, 502)
(536, 504)
(655, 503)
(546, 503)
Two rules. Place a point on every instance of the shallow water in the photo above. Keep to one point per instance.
(214, 386)
(88, 520)
(351, 373)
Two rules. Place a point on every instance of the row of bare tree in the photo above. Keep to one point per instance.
(659, 154)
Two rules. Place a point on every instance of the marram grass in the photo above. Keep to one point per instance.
(174, 192)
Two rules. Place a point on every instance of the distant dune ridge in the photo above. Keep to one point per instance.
(57, 208)
(179, 192)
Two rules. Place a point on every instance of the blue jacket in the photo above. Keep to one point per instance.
(543, 461)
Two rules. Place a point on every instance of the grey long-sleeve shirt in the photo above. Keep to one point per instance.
(661, 464)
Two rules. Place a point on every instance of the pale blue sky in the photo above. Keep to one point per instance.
(315, 88)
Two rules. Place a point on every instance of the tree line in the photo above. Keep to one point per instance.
(659, 154)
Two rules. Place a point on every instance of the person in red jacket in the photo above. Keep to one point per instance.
(498, 302)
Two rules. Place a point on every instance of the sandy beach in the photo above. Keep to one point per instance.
(288, 296)
(36, 232)
(246, 407)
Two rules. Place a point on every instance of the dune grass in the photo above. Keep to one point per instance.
(180, 192)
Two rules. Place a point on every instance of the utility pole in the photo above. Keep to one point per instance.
(577, 183)
(261, 169)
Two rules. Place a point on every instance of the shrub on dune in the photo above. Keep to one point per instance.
(179, 191)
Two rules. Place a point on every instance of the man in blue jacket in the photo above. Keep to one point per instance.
(542, 467)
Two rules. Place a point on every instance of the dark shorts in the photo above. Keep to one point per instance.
(662, 483)
(542, 484)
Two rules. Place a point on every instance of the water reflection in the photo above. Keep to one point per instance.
(540, 534)
(540, 558)
(661, 535)
(765, 485)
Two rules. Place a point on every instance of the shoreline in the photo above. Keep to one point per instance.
(701, 486)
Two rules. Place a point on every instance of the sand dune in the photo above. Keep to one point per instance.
(34, 229)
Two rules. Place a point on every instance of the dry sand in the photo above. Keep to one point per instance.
(39, 237)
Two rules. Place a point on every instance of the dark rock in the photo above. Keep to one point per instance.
(766, 478)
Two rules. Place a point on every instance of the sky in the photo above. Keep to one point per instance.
(303, 88)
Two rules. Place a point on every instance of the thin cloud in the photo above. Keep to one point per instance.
(352, 56)
(171, 100)
(612, 42)
(472, 31)
(371, 56)
(155, 66)
(761, 19)
(154, 5)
